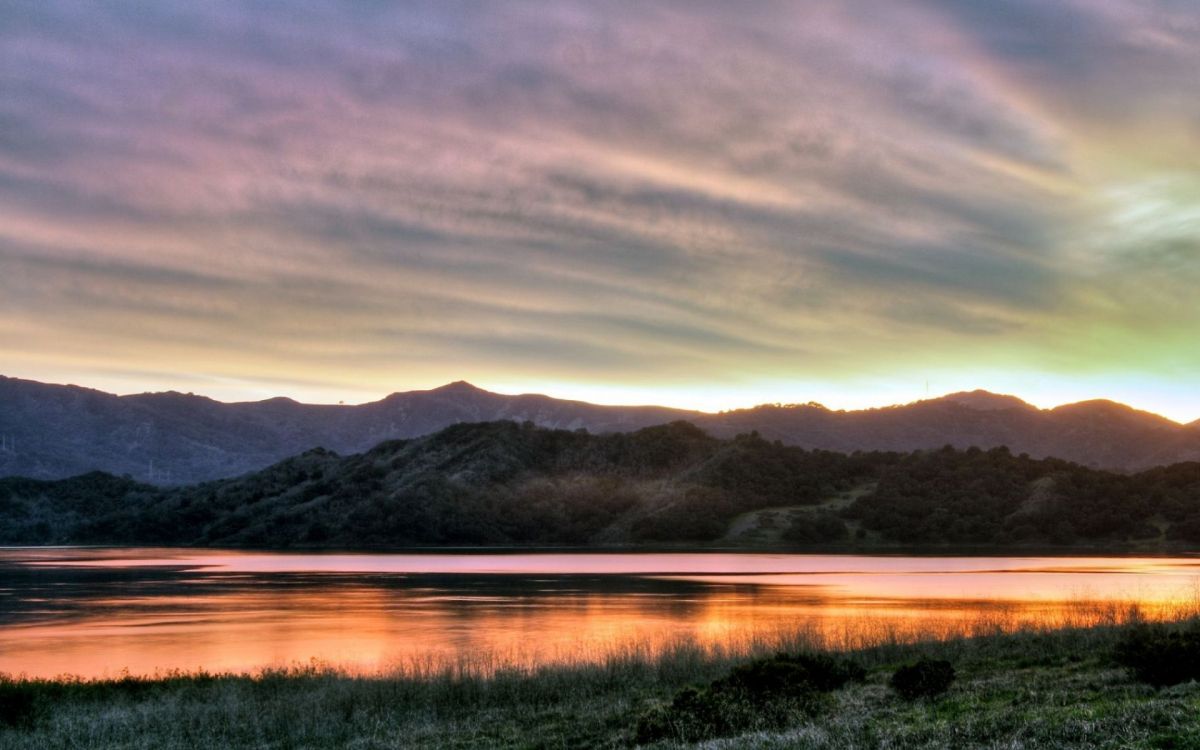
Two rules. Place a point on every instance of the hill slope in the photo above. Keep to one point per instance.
(53, 431)
(500, 483)
(171, 438)
(1100, 434)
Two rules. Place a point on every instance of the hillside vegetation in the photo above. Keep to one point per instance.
(502, 483)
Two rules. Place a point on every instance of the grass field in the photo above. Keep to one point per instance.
(1032, 689)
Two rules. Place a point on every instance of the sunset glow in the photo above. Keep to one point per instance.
(371, 614)
(692, 204)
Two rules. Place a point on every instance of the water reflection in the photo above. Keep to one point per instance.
(98, 612)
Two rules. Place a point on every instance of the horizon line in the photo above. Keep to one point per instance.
(602, 402)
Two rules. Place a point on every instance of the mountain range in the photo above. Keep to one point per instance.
(53, 431)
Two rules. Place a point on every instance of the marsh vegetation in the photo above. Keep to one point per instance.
(1077, 687)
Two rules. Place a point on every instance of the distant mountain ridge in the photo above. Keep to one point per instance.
(54, 431)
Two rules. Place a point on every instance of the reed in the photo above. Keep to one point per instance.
(1054, 677)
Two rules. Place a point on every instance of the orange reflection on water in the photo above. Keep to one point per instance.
(98, 612)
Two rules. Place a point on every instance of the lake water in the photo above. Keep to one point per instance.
(98, 612)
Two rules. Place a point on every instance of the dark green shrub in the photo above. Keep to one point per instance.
(1175, 740)
(817, 528)
(763, 694)
(777, 673)
(18, 705)
(926, 678)
(1160, 655)
(654, 724)
(696, 714)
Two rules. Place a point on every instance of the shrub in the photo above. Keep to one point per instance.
(823, 672)
(925, 678)
(817, 528)
(18, 706)
(763, 694)
(1159, 655)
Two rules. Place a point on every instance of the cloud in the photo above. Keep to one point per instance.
(610, 192)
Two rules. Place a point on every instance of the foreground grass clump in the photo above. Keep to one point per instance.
(764, 694)
(17, 704)
(1037, 689)
(1161, 654)
(924, 679)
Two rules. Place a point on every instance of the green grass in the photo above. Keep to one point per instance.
(1034, 689)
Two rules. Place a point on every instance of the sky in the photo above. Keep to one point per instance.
(699, 204)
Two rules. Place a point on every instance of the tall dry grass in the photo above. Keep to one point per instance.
(487, 700)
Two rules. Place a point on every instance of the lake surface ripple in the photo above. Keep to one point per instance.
(102, 612)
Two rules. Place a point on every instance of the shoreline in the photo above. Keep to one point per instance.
(1032, 688)
(1184, 551)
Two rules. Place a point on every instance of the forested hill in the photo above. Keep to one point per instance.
(502, 483)
(487, 483)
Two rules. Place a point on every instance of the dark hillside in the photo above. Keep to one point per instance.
(502, 483)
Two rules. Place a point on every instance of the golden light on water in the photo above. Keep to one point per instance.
(375, 614)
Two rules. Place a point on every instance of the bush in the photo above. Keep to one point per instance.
(926, 678)
(1159, 655)
(763, 694)
(18, 706)
(816, 529)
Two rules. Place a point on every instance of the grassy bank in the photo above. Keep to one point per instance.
(1024, 690)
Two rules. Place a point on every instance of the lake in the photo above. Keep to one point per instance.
(101, 612)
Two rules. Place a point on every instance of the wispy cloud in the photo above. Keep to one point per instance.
(667, 194)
